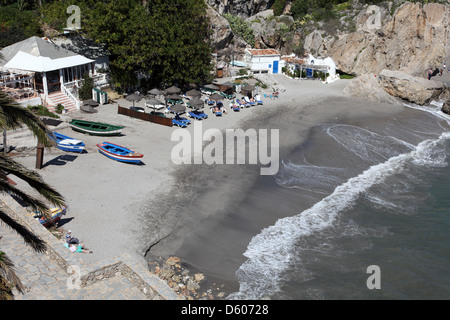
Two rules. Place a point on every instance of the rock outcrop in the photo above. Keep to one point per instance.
(446, 107)
(368, 87)
(413, 40)
(407, 87)
(241, 8)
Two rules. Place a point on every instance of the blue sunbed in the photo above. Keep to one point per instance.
(195, 115)
(202, 114)
(179, 123)
(187, 121)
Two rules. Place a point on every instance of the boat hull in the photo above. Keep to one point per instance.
(66, 143)
(96, 128)
(56, 214)
(119, 153)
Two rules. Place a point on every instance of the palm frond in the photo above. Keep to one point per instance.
(13, 116)
(28, 236)
(33, 179)
(8, 272)
(35, 204)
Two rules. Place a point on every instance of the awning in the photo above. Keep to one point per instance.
(28, 62)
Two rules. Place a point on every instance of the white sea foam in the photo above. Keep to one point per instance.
(367, 145)
(270, 253)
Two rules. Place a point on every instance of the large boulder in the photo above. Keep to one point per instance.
(368, 87)
(407, 87)
(446, 107)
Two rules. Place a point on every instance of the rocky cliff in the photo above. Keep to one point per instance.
(241, 8)
(365, 39)
(413, 40)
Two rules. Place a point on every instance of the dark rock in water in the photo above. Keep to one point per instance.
(446, 107)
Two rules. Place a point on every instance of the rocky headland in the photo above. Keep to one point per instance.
(388, 47)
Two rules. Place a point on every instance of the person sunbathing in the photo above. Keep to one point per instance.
(79, 248)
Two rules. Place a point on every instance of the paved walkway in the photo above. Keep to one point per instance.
(58, 274)
(44, 279)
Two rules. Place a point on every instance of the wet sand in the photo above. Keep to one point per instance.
(191, 211)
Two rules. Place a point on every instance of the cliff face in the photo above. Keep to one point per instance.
(413, 40)
(241, 8)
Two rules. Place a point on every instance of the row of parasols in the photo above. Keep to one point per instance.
(173, 93)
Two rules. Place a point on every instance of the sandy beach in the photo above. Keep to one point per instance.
(115, 207)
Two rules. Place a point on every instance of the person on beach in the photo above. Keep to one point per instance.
(430, 72)
(79, 248)
(70, 239)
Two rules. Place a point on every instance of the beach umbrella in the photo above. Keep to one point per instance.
(196, 103)
(155, 92)
(194, 93)
(91, 102)
(248, 87)
(227, 84)
(211, 86)
(154, 103)
(173, 89)
(88, 108)
(215, 96)
(175, 97)
(178, 108)
(133, 97)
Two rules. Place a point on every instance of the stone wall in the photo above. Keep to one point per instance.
(124, 265)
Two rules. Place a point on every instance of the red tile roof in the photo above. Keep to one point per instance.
(294, 60)
(263, 52)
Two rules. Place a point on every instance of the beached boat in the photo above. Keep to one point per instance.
(95, 128)
(119, 153)
(66, 143)
(55, 216)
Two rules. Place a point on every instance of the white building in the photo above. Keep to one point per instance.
(43, 69)
(263, 60)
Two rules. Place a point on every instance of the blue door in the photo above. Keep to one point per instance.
(275, 67)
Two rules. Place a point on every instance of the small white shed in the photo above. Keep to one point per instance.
(263, 60)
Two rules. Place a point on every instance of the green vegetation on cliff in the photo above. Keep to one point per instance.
(152, 43)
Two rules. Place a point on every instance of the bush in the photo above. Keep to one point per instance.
(241, 28)
(40, 110)
(85, 92)
(243, 72)
(59, 108)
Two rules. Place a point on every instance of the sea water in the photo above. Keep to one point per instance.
(368, 194)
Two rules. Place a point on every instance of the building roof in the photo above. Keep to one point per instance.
(294, 60)
(39, 55)
(263, 52)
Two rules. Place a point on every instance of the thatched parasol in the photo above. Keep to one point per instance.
(172, 90)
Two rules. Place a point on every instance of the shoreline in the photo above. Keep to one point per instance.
(113, 210)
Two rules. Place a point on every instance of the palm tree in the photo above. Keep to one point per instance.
(13, 116)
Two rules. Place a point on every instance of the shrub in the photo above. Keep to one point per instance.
(59, 108)
(85, 92)
(241, 28)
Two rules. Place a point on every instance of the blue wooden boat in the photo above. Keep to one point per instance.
(119, 153)
(66, 143)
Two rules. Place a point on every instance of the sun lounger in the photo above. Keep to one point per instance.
(258, 99)
(187, 121)
(202, 114)
(180, 124)
(209, 102)
(195, 115)
(247, 100)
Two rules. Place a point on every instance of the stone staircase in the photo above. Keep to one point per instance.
(60, 98)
